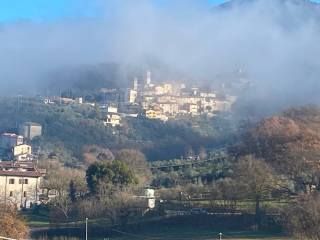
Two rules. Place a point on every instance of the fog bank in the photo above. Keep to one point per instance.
(276, 42)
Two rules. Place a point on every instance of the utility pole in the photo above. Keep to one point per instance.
(86, 228)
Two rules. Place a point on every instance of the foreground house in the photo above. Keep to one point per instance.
(20, 184)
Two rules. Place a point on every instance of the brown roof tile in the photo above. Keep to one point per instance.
(20, 173)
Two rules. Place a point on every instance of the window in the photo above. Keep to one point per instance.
(11, 194)
(11, 181)
(23, 181)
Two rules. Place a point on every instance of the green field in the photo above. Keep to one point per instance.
(179, 233)
(175, 229)
(185, 235)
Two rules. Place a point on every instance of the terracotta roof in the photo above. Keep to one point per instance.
(9, 168)
(17, 173)
(6, 164)
(26, 164)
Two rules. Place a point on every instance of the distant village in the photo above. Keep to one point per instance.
(160, 101)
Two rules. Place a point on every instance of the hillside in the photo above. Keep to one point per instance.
(72, 127)
(290, 142)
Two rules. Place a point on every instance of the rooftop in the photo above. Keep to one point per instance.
(18, 173)
(19, 169)
(31, 124)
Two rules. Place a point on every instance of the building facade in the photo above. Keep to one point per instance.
(19, 184)
(30, 130)
(113, 120)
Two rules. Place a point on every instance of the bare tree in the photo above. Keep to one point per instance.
(63, 204)
(290, 143)
(137, 163)
(256, 179)
(58, 179)
(302, 219)
(95, 153)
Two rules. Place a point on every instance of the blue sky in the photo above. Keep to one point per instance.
(15, 10)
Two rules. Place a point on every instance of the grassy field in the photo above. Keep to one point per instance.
(179, 233)
(171, 229)
(35, 220)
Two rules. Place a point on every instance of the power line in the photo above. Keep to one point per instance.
(223, 156)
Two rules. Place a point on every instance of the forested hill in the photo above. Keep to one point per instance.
(289, 142)
(72, 127)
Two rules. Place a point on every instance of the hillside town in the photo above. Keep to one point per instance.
(168, 100)
(162, 101)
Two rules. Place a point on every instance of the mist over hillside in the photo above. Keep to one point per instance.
(275, 42)
(160, 119)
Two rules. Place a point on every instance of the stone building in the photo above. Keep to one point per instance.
(30, 130)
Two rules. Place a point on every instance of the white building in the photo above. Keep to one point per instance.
(135, 84)
(79, 100)
(131, 95)
(113, 120)
(148, 79)
(22, 152)
(112, 109)
(151, 199)
(19, 184)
